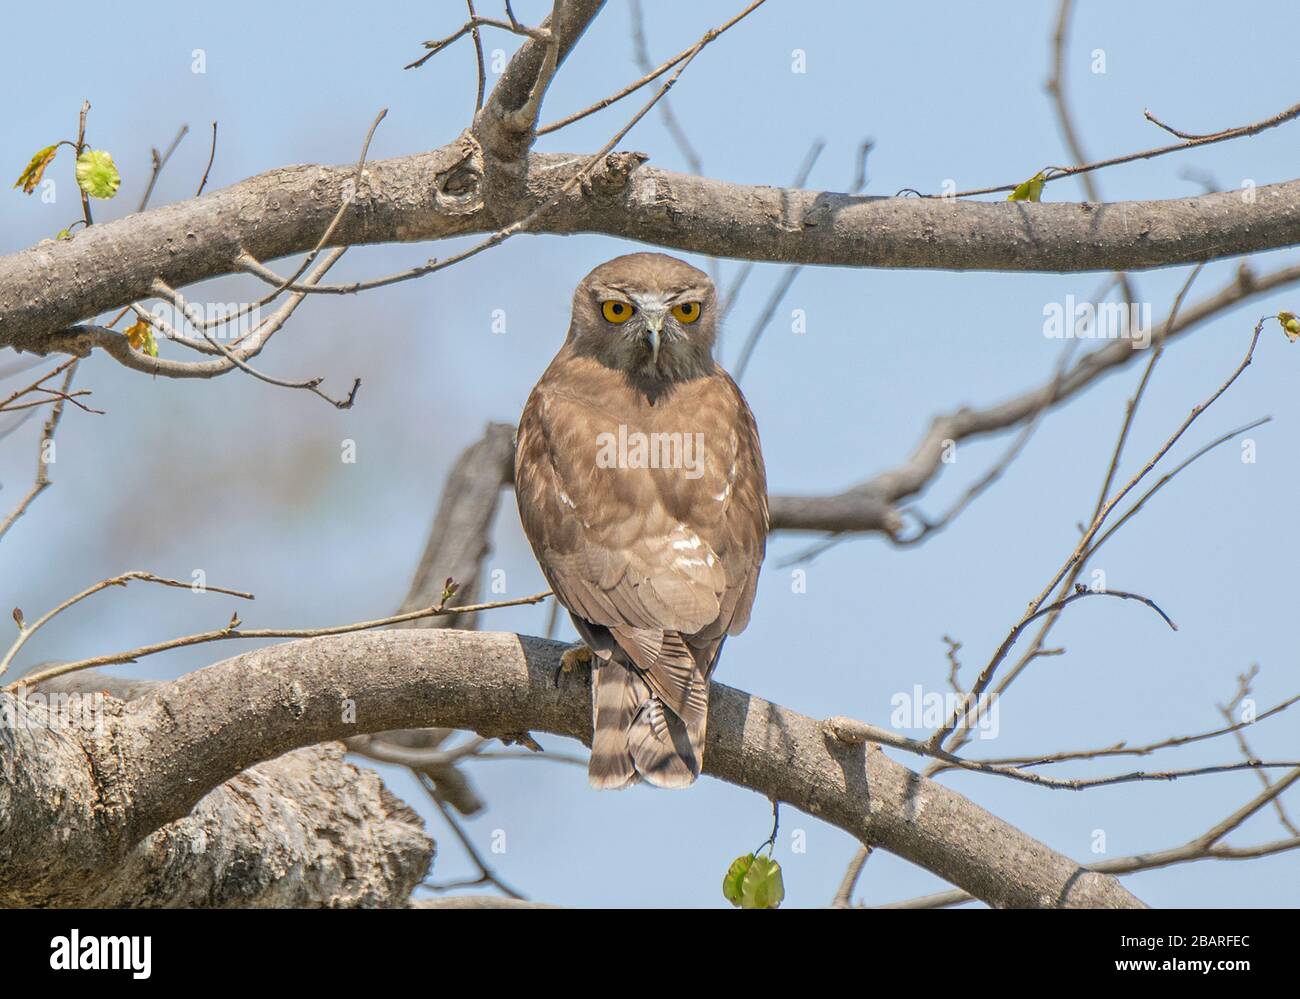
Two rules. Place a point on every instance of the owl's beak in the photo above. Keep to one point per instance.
(654, 320)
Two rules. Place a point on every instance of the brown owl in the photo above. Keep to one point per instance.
(641, 488)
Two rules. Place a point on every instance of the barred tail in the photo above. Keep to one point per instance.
(636, 736)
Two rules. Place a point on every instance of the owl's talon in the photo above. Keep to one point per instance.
(574, 657)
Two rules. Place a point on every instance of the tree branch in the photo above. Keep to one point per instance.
(872, 505)
(303, 830)
(159, 755)
(439, 194)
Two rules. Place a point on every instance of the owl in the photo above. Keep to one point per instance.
(642, 491)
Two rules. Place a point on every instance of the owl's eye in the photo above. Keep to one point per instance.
(616, 312)
(687, 312)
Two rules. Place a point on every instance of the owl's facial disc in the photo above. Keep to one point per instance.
(654, 328)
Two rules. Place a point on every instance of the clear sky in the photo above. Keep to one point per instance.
(244, 480)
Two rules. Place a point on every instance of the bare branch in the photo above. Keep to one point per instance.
(212, 155)
(26, 631)
(1241, 131)
(1203, 847)
(872, 505)
(159, 162)
(232, 630)
(42, 457)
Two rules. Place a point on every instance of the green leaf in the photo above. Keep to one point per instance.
(140, 336)
(35, 170)
(96, 174)
(754, 883)
(63, 234)
(1030, 190)
(733, 881)
(763, 886)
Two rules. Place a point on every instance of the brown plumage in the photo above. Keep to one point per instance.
(641, 488)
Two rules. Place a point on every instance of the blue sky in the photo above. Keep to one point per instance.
(244, 480)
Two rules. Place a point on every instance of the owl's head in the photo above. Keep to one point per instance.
(649, 315)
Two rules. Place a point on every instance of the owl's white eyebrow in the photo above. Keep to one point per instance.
(691, 294)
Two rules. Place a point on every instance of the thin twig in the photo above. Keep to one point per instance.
(478, 55)
(311, 384)
(1243, 691)
(1164, 479)
(632, 88)
(486, 874)
(231, 631)
(852, 732)
(42, 464)
(158, 163)
(471, 27)
(27, 631)
(1151, 462)
(641, 49)
(4, 404)
(1130, 411)
(1124, 749)
(212, 155)
(1052, 173)
(986, 675)
(844, 894)
(81, 146)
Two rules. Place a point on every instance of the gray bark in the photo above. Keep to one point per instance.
(79, 803)
(459, 540)
(437, 194)
(305, 829)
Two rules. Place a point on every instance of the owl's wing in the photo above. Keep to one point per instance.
(739, 519)
(658, 556)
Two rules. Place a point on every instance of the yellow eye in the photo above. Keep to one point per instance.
(686, 312)
(616, 312)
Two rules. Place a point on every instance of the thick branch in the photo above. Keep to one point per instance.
(305, 829)
(459, 541)
(460, 537)
(433, 195)
(507, 124)
(162, 753)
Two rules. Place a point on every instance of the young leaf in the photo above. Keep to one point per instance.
(96, 174)
(733, 881)
(35, 170)
(1030, 190)
(753, 883)
(763, 886)
(140, 336)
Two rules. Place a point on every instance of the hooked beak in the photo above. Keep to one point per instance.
(654, 320)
